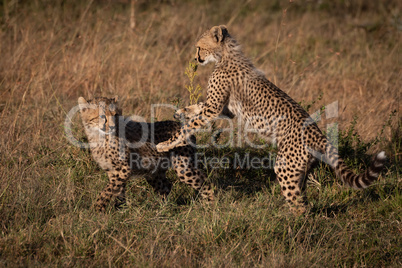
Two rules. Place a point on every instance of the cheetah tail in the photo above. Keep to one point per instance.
(357, 181)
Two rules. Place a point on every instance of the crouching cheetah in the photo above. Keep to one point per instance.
(247, 93)
(125, 148)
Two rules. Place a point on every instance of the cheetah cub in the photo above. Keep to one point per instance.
(125, 148)
(248, 94)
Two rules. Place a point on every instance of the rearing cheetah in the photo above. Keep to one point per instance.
(124, 148)
(247, 93)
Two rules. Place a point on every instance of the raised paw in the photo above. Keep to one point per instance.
(168, 145)
(163, 147)
(189, 111)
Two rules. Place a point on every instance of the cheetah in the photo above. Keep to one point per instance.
(236, 84)
(125, 148)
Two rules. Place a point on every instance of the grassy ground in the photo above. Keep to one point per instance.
(52, 52)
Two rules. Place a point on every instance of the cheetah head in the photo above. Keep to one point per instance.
(99, 115)
(211, 44)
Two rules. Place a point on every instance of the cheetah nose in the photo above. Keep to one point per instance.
(198, 59)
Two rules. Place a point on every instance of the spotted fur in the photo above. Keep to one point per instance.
(247, 93)
(125, 148)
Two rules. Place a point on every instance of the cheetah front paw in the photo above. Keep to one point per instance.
(164, 146)
(100, 207)
(168, 145)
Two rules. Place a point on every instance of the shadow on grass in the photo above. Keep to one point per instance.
(329, 211)
(241, 173)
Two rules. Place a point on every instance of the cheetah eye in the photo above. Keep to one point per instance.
(102, 116)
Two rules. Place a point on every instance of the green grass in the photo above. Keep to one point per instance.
(317, 51)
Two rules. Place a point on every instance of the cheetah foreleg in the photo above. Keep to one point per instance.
(186, 132)
(211, 110)
(115, 188)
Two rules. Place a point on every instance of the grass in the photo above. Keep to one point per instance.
(317, 51)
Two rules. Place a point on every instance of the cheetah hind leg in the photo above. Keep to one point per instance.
(293, 192)
(187, 172)
(292, 184)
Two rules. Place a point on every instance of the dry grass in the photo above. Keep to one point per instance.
(52, 52)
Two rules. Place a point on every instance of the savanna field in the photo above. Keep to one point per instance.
(318, 52)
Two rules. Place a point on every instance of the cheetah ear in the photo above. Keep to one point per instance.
(116, 99)
(219, 33)
(82, 103)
